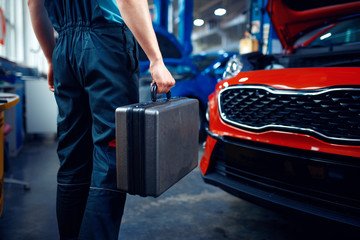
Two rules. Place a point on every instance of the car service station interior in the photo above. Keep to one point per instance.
(267, 145)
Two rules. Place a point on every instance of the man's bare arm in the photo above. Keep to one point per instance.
(137, 17)
(44, 33)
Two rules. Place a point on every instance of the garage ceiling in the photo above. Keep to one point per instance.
(218, 32)
(205, 8)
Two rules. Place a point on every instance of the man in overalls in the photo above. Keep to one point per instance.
(93, 69)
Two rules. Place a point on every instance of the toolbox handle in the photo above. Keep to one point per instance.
(153, 90)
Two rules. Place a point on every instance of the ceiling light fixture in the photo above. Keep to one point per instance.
(327, 35)
(220, 11)
(198, 22)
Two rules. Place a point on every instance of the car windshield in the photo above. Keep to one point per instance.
(343, 32)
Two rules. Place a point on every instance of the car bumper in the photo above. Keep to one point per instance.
(311, 182)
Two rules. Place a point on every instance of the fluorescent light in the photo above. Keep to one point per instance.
(220, 11)
(325, 36)
(198, 22)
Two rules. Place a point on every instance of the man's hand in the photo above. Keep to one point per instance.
(161, 76)
(50, 77)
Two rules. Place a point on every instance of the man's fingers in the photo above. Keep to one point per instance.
(163, 87)
(163, 78)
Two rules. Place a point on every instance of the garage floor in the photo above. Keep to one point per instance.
(189, 210)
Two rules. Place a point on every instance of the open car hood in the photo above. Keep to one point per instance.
(291, 18)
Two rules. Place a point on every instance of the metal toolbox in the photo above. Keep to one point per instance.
(156, 144)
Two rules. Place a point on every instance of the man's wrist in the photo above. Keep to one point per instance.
(156, 60)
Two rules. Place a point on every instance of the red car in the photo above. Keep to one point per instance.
(290, 137)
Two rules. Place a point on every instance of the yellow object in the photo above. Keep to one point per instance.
(248, 45)
(11, 100)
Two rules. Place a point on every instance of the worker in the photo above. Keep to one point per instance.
(93, 69)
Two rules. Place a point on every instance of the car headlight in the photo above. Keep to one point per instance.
(233, 67)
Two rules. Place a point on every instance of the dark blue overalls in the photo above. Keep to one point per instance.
(95, 71)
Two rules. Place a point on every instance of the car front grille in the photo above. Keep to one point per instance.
(332, 114)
